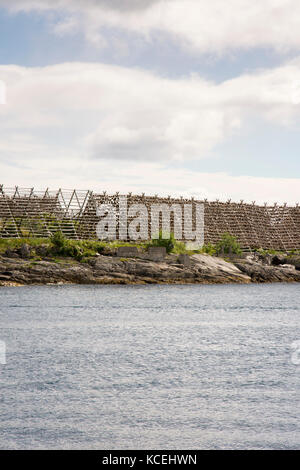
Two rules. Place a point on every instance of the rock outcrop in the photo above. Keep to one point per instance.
(173, 269)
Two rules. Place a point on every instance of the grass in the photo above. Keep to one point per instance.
(228, 244)
(288, 254)
(268, 252)
(208, 249)
(15, 243)
(59, 247)
(169, 242)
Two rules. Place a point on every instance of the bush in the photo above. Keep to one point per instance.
(78, 249)
(180, 248)
(168, 243)
(63, 246)
(228, 245)
(210, 249)
(58, 240)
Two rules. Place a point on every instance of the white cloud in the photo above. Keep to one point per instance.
(119, 5)
(108, 127)
(114, 112)
(2, 92)
(111, 128)
(211, 26)
(149, 178)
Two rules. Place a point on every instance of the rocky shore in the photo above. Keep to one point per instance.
(18, 268)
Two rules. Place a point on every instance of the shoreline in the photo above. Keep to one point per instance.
(173, 269)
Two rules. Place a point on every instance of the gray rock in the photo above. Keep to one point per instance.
(42, 250)
(295, 261)
(24, 251)
(113, 270)
(11, 254)
(217, 270)
(127, 251)
(263, 273)
(185, 260)
(278, 260)
(156, 253)
(288, 266)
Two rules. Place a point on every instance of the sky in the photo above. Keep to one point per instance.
(169, 97)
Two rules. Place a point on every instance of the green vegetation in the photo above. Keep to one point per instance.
(180, 249)
(290, 254)
(16, 243)
(78, 249)
(58, 247)
(294, 252)
(228, 244)
(209, 249)
(267, 252)
(117, 243)
(168, 241)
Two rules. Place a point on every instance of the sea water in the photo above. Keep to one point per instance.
(150, 367)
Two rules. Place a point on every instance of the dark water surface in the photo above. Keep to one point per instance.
(174, 367)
